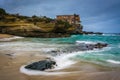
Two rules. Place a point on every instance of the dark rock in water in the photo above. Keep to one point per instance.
(79, 47)
(83, 46)
(55, 51)
(42, 65)
(100, 45)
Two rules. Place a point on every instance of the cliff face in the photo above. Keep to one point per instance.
(34, 26)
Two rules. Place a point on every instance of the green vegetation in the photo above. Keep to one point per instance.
(61, 26)
(2, 11)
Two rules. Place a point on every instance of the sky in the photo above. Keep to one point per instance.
(96, 15)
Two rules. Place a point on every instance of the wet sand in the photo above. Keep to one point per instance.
(10, 69)
(5, 36)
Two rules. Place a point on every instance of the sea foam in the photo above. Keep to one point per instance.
(36, 72)
(11, 38)
(86, 42)
(113, 61)
(63, 61)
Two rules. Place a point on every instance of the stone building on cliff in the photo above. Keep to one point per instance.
(73, 20)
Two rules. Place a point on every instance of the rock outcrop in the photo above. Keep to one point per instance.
(79, 47)
(42, 65)
(35, 26)
(30, 31)
(84, 46)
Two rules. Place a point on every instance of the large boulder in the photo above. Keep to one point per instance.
(42, 65)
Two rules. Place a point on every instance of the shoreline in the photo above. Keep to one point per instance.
(13, 58)
(10, 69)
(7, 37)
(2, 36)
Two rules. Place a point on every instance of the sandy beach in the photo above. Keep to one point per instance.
(5, 36)
(10, 69)
(11, 62)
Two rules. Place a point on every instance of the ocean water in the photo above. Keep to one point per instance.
(108, 56)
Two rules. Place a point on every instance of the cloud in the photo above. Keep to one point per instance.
(109, 26)
(47, 8)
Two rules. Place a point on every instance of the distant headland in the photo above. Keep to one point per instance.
(40, 26)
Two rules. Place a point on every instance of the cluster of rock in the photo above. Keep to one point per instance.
(83, 46)
(86, 32)
(79, 47)
(42, 65)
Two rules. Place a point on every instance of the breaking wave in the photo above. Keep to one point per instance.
(113, 61)
(11, 38)
(63, 60)
(86, 42)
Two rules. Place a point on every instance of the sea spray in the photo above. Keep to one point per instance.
(63, 61)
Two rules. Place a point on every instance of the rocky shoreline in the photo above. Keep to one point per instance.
(51, 63)
(79, 47)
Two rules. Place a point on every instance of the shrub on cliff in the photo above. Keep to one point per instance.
(61, 26)
(2, 11)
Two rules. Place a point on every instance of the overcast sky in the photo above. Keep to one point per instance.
(96, 15)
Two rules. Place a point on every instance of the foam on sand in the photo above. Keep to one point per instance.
(63, 61)
(36, 72)
(11, 38)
